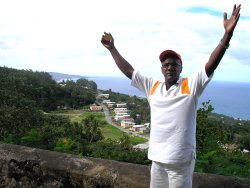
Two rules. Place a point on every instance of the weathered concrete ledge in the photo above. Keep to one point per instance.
(29, 167)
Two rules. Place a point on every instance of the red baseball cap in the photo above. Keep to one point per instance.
(166, 53)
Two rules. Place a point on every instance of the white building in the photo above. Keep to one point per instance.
(106, 96)
(127, 123)
(121, 105)
(120, 110)
(139, 128)
(110, 104)
(106, 101)
(123, 114)
(95, 108)
(121, 117)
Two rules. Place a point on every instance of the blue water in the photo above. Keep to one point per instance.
(228, 98)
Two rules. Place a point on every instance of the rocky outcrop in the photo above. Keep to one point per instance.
(29, 167)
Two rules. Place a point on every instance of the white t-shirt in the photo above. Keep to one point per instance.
(173, 116)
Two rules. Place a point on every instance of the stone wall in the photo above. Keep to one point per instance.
(35, 168)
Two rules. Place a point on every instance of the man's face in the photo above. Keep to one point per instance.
(171, 69)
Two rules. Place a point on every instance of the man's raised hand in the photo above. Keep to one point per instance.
(107, 40)
(229, 24)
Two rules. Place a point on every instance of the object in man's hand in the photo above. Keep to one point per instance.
(106, 39)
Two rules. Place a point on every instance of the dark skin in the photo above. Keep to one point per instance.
(171, 69)
(172, 73)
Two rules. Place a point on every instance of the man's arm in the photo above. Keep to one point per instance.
(219, 51)
(108, 41)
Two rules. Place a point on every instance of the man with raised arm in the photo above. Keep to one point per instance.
(173, 105)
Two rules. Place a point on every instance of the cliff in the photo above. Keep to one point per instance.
(29, 167)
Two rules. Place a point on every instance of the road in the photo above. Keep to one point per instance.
(109, 120)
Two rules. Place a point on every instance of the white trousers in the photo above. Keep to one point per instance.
(172, 175)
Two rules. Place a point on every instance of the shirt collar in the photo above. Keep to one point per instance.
(175, 85)
(178, 81)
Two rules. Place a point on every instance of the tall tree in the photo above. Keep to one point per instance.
(91, 126)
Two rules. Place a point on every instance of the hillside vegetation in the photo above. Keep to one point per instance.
(37, 111)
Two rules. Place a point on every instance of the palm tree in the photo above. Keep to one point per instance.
(92, 128)
(125, 142)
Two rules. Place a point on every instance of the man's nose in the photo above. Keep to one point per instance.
(170, 67)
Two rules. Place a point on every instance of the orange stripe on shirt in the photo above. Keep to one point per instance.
(154, 87)
(184, 86)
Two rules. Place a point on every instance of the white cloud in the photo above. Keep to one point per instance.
(64, 36)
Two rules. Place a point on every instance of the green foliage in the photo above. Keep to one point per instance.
(91, 128)
(111, 132)
(244, 141)
(140, 110)
(19, 86)
(79, 93)
(112, 150)
(108, 131)
(125, 142)
(224, 163)
(32, 138)
(25, 95)
(18, 120)
(37, 87)
(67, 145)
(9, 139)
(213, 138)
(204, 130)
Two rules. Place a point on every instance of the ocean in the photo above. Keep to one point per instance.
(227, 98)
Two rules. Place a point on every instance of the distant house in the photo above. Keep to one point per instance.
(118, 118)
(139, 128)
(121, 113)
(105, 101)
(127, 123)
(121, 105)
(106, 96)
(119, 110)
(95, 108)
(110, 104)
(121, 117)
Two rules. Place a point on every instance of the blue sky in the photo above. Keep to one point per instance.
(64, 36)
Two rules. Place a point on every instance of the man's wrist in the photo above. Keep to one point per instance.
(224, 42)
(111, 48)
